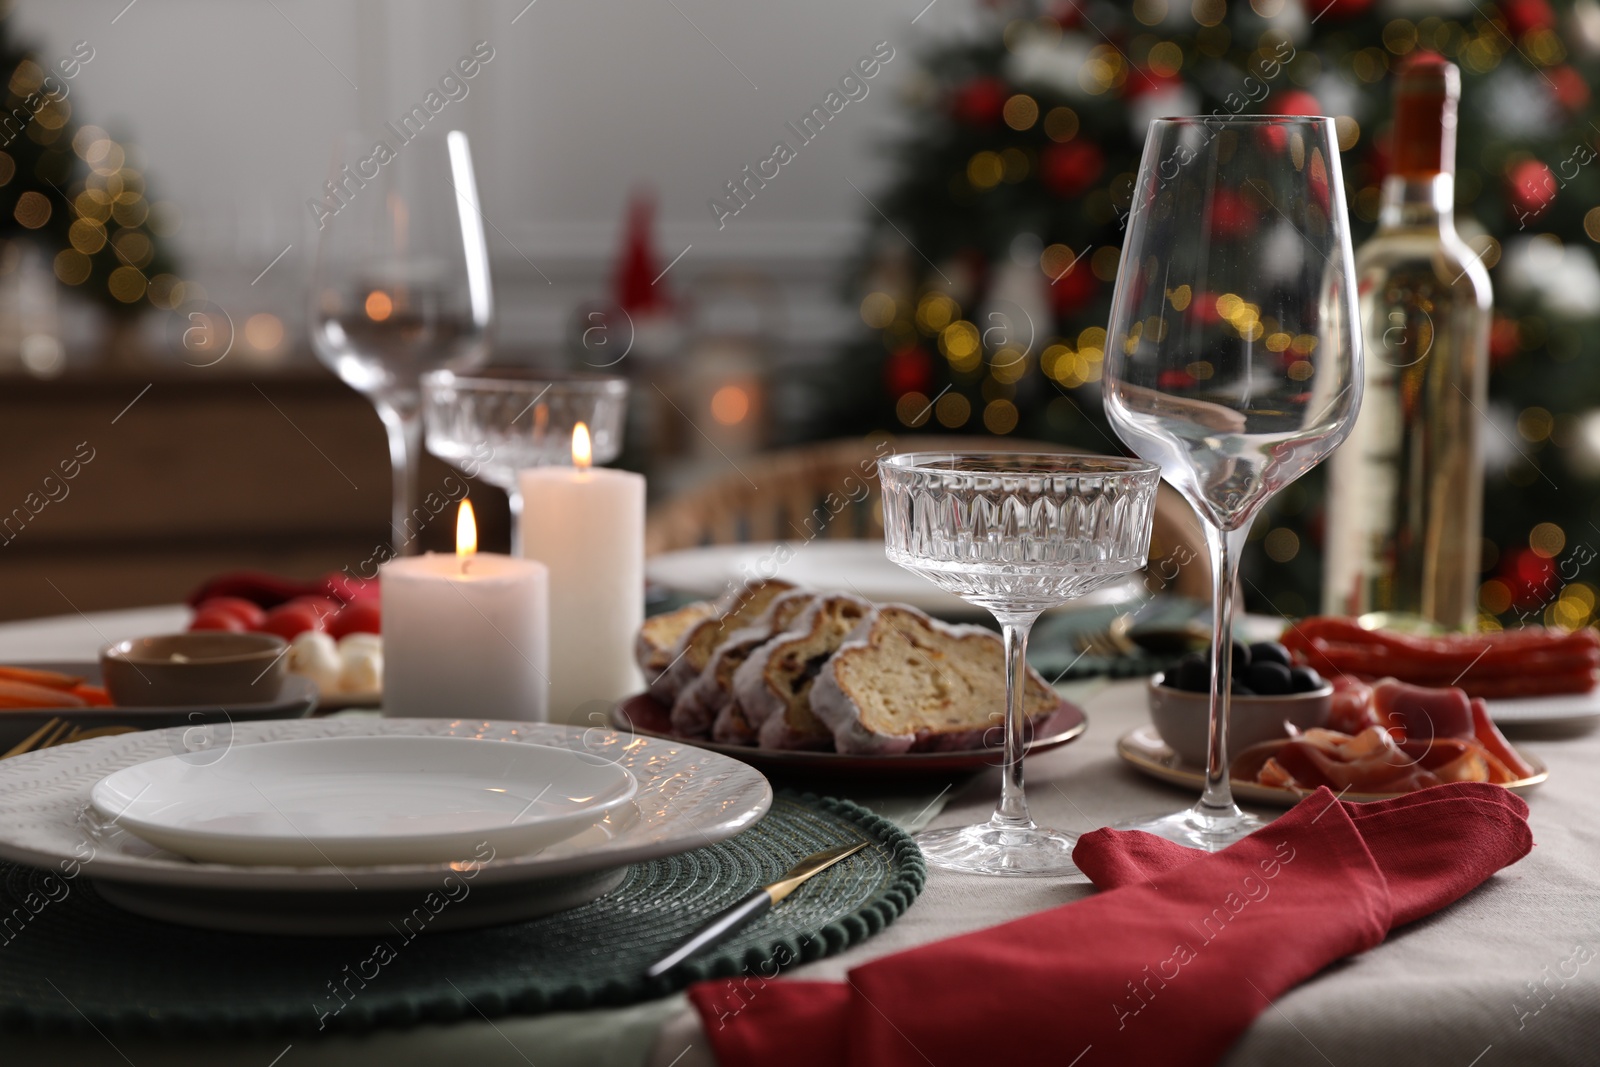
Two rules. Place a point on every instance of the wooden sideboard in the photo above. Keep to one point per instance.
(203, 473)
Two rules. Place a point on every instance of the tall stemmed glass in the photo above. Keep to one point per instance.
(1233, 358)
(401, 285)
(504, 420)
(1014, 533)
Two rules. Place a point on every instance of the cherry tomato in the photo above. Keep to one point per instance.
(361, 617)
(246, 611)
(325, 607)
(217, 619)
(291, 620)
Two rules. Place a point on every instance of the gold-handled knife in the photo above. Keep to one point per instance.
(757, 903)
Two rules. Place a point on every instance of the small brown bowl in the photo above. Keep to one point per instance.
(1183, 719)
(204, 667)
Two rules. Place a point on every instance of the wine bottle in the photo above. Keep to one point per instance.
(1405, 506)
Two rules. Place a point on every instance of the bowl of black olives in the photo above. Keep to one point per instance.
(1270, 692)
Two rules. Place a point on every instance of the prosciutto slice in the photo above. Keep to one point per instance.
(1407, 737)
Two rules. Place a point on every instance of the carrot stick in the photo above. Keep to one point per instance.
(93, 695)
(33, 676)
(15, 694)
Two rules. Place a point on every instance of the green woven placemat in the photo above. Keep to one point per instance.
(74, 962)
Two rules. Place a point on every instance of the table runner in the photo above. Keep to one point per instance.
(68, 960)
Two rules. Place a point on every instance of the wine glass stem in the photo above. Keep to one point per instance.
(1012, 811)
(1226, 547)
(404, 427)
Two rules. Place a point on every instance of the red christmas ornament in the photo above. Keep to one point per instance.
(1148, 83)
(1068, 169)
(1530, 577)
(1525, 16)
(1343, 9)
(979, 101)
(632, 287)
(1073, 291)
(1288, 102)
(1066, 13)
(1570, 90)
(907, 370)
(1230, 215)
(1505, 338)
(1174, 379)
(1294, 102)
(1530, 188)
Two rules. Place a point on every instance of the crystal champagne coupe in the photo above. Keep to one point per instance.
(501, 420)
(1233, 354)
(1014, 533)
(401, 285)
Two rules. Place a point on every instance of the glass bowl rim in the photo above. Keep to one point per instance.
(1057, 464)
(1242, 120)
(520, 379)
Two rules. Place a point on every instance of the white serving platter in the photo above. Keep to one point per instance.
(1544, 711)
(686, 798)
(363, 800)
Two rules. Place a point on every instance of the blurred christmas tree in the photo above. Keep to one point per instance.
(987, 300)
(69, 188)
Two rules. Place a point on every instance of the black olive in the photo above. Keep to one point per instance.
(1268, 678)
(1192, 674)
(1305, 679)
(1270, 652)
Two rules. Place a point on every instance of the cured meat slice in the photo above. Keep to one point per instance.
(1419, 713)
(1526, 662)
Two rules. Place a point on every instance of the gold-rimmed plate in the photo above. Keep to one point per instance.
(1143, 748)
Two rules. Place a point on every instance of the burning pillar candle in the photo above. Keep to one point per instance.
(587, 525)
(466, 635)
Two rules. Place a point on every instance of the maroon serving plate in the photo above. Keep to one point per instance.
(643, 714)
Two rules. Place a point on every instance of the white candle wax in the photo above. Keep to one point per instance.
(587, 526)
(466, 636)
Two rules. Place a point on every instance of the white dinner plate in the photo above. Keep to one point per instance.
(858, 567)
(687, 798)
(1560, 708)
(363, 800)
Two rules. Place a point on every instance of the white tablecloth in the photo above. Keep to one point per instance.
(1477, 985)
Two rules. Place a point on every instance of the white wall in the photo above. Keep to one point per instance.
(233, 105)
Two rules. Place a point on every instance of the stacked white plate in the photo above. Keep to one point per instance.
(349, 826)
(330, 801)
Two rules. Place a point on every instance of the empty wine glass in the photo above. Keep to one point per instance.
(401, 284)
(1014, 533)
(1232, 357)
(502, 420)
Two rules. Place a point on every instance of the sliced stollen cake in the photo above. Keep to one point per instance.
(773, 686)
(694, 648)
(731, 727)
(660, 634)
(703, 699)
(906, 683)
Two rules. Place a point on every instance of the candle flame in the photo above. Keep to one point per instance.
(466, 531)
(582, 451)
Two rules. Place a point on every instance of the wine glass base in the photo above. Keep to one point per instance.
(1020, 852)
(1197, 828)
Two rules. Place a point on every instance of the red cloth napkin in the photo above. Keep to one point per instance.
(1168, 965)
